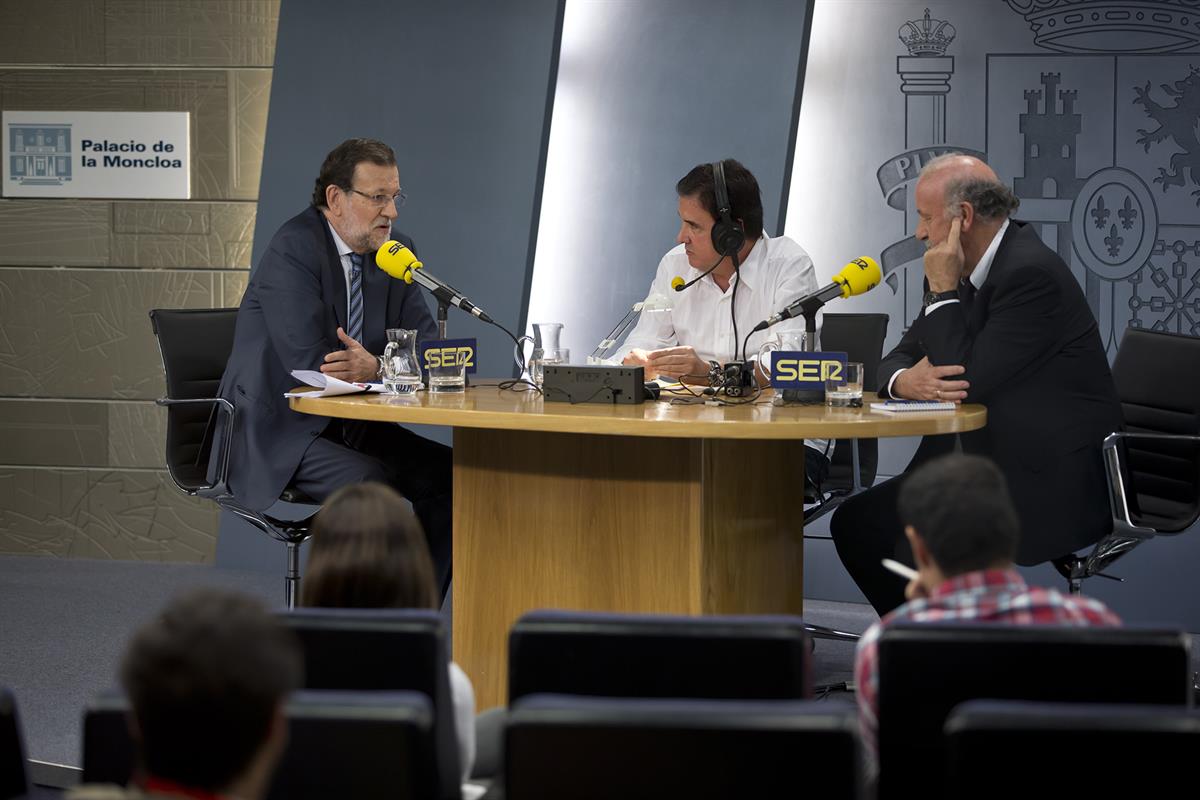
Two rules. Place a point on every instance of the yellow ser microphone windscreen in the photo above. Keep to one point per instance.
(860, 275)
(397, 260)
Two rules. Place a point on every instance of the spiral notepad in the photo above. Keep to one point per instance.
(902, 406)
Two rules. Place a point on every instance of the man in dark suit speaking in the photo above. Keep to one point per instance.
(317, 301)
(1005, 324)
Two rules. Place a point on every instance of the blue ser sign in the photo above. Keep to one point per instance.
(801, 370)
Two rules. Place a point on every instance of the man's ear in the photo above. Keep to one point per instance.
(920, 551)
(334, 199)
(966, 213)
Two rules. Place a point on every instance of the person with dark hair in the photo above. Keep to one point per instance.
(368, 551)
(963, 530)
(317, 301)
(207, 680)
(699, 335)
(1004, 324)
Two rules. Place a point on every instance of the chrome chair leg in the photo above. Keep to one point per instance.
(822, 632)
(291, 582)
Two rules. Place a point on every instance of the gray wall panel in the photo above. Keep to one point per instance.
(461, 98)
(645, 92)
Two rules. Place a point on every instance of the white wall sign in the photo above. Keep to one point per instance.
(142, 154)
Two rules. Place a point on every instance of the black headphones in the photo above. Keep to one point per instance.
(727, 235)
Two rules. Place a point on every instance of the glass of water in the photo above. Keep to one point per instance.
(449, 375)
(846, 391)
(542, 357)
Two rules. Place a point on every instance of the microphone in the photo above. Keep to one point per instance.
(398, 261)
(678, 284)
(859, 276)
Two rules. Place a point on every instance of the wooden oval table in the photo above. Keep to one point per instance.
(689, 509)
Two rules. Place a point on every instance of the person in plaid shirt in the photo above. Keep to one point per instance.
(962, 526)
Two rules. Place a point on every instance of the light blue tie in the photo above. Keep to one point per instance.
(354, 323)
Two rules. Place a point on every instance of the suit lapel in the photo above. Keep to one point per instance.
(334, 274)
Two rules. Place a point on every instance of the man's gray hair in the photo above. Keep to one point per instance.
(992, 200)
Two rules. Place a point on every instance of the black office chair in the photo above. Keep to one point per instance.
(926, 669)
(368, 650)
(645, 655)
(195, 345)
(370, 745)
(12, 749)
(1153, 465)
(855, 461)
(1003, 749)
(592, 748)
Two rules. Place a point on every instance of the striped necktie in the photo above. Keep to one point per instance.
(355, 317)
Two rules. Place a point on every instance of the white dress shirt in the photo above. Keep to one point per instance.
(777, 272)
(977, 277)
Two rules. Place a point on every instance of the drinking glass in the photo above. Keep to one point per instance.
(847, 391)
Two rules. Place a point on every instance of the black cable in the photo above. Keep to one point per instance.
(737, 281)
(513, 383)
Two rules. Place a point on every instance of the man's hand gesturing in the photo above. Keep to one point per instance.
(354, 364)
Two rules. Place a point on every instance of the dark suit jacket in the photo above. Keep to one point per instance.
(288, 320)
(1033, 356)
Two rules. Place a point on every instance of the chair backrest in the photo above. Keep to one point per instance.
(585, 748)
(630, 655)
(383, 650)
(861, 336)
(1158, 380)
(1003, 749)
(365, 745)
(926, 669)
(340, 744)
(195, 344)
(12, 749)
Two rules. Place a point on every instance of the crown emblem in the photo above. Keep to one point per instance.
(927, 37)
(1095, 26)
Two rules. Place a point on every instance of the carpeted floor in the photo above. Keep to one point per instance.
(64, 624)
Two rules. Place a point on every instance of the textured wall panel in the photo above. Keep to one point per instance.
(37, 232)
(85, 333)
(61, 32)
(195, 33)
(102, 514)
(176, 235)
(54, 433)
(214, 98)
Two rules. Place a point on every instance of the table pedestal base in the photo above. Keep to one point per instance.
(617, 523)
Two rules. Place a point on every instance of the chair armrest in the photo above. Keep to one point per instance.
(223, 406)
(1113, 469)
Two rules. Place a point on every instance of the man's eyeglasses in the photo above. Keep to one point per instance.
(381, 200)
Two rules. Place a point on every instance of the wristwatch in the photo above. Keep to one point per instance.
(937, 297)
(379, 374)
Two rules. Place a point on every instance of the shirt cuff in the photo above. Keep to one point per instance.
(895, 375)
(932, 306)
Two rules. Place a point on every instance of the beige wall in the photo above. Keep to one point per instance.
(81, 442)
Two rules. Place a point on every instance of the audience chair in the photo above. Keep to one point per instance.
(591, 748)
(12, 749)
(369, 746)
(370, 650)
(926, 669)
(631, 655)
(195, 345)
(998, 750)
(1153, 465)
(854, 461)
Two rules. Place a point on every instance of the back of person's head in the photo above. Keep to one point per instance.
(338, 168)
(206, 679)
(368, 551)
(960, 506)
(745, 200)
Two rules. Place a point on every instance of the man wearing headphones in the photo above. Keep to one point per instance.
(732, 274)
